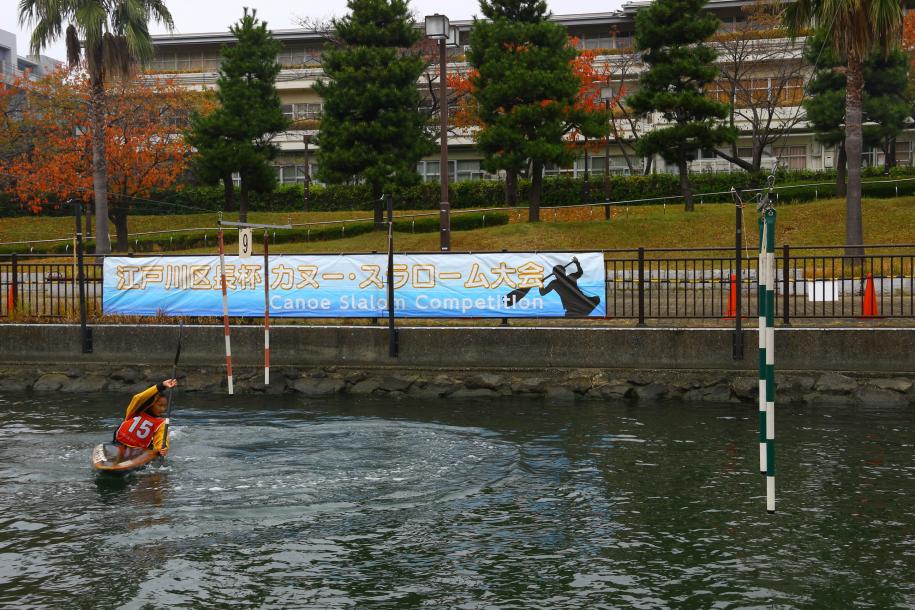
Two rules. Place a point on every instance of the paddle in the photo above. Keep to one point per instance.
(519, 293)
(168, 409)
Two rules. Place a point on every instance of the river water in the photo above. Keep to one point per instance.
(280, 502)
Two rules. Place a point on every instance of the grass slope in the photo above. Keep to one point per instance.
(886, 221)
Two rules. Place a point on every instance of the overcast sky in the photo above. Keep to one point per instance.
(192, 16)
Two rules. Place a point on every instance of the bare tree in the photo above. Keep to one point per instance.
(762, 81)
(624, 123)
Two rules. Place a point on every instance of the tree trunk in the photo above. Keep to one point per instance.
(536, 188)
(647, 165)
(854, 228)
(889, 155)
(119, 218)
(685, 187)
(840, 170)
(243, 202)
(99, 167)
(228, 193)
(511, 187)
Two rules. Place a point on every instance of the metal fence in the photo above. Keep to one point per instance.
(642, 284)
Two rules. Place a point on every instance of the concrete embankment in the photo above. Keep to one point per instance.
(853, 365)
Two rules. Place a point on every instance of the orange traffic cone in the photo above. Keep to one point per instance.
(732, 299)
(869, 304)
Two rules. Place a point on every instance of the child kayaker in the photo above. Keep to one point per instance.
(144, 422)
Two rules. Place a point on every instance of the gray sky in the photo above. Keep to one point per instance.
(192, 16)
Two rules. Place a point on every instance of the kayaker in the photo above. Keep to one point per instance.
(143, 426)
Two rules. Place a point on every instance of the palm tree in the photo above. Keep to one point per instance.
(112, 36)
(855, 28)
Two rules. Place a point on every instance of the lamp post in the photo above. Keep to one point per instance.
(606, 94)
(438, 28)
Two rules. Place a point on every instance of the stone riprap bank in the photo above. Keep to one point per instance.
(871, 365)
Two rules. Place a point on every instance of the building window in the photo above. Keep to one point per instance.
(295, 174)
(791, 157)
(296, 112)
(466, 169)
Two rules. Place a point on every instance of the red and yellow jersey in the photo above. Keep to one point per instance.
(159, 441)
(141, 431)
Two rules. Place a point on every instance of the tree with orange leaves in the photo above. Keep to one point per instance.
(526, 93)
(46, 147)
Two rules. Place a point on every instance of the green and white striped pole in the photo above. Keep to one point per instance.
(762, 281)
(767, 351)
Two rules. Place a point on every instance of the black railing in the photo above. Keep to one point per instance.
(813, 282)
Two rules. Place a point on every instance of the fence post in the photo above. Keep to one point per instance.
(786, 284)
(606, 211)
(392, 328)
(737, 343)
(641, 287)
(14, 284)
(85, 332)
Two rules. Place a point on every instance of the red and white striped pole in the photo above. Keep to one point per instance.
(266, 312)
(225, 308)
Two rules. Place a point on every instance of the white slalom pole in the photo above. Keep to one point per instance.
(762, 282)
(266, 312)
(225, 309)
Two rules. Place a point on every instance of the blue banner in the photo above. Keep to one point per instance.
(499, 285)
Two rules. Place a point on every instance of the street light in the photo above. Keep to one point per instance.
(606, 94)
(438, 28)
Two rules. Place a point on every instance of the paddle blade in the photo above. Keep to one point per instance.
(515, 295)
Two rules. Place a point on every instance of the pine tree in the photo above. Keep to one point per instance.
(824, 104)
(236, 137)
(670, 36)
(526, 93)
(371, 128)
(886, 106)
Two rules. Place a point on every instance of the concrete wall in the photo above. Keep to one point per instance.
(861, 350)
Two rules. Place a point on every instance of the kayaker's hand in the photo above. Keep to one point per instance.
(170, 383)
(163, 452)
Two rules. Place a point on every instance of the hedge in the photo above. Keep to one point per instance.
(201, 239)
(557, 191)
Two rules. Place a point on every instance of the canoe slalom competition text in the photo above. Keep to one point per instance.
(425, 285)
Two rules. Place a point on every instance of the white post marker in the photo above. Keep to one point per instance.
(225, 309)
(266, 310)
(762, 272)
(245, 247)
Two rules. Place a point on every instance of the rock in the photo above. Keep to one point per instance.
(652, 391)
(90, 383)
(579, 385)
(127, 375)
(366, 386)
(317, 374)
(489, 381)
(473, 394)
(793, 383)
(559, 394)
(202, 381)
(528, 385)
(897, 384)
(615, 390)
(719, 393)
(50, 382)
(641, 378)
(869, 395)
(431, 390)
(398, 383)
(835, 383)
(816, 399)
(353, 377)
(746, 388)
(314, 388)
(14, 384)
(289, 373)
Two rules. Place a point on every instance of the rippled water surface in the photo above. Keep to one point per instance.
(283, 502)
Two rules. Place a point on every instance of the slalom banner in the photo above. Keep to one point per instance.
(499, 285)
